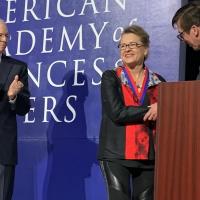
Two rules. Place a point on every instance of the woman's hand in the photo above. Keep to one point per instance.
(152, 113)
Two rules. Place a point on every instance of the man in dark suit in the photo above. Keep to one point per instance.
(14, 100)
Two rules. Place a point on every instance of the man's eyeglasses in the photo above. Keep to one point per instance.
(131, 45)
(180, 36)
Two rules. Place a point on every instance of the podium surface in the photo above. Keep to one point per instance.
(177, 173)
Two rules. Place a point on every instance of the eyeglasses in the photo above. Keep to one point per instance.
(180, 36)
(131, 45)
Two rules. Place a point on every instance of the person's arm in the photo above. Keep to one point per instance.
(113, 104)
(152, 113)
(19, 94)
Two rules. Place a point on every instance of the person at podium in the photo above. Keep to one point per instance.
(187, 22)
(129, 112)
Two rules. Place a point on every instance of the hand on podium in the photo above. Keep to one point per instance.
(152, 113)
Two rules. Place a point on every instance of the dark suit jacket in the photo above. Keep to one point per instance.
(10, 67)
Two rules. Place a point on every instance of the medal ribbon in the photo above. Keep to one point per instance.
(140, 96)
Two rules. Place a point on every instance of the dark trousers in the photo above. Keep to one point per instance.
(7, 173)
(127, 183)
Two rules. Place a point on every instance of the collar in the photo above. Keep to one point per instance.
(0, 56)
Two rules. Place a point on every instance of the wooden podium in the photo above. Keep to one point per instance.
(177, 175)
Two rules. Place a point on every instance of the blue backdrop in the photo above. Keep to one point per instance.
(67, 45)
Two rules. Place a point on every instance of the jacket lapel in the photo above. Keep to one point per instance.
(5, 69)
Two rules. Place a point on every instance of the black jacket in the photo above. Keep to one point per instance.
(115, 115)
(10, 67)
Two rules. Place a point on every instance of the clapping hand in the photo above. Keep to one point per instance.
(15, 88)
